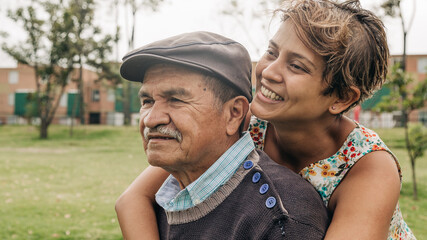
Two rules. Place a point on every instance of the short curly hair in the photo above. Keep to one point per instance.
(351, 40)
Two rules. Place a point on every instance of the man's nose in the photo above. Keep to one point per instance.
(157, 115)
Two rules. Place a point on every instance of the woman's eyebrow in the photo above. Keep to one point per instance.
(293, 54)
(297, 55)
(273, 43)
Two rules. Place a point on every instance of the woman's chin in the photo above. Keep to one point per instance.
(258, 110)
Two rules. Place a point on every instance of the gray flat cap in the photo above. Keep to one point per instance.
(208, 52)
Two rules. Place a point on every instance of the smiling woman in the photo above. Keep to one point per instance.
(324, 59)
(295, 76)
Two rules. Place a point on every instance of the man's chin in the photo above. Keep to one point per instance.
(156, 160)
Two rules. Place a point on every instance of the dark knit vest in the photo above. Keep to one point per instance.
(262, 200)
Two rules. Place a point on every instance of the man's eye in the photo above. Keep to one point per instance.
(176, 100)
(145, 102)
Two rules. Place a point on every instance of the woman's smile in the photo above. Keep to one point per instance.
(270, 94)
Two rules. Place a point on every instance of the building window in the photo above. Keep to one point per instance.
(63, 101)
(13, 77)
(111, 97)
(422, 65)
(394, 60)
(11, 99)
(422, 117)
(95, 95)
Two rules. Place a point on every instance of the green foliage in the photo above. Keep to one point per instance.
(406, 96)
(28, 52)
(419, 95)
(31, 107)
(60, 35)
(418, 139)
(402, 96)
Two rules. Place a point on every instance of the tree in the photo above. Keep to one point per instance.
(82, 12)
(393, 8)
(251, 19)
(134, 6)
(418, 144)
(405, 96)
(55, 46)
(88, 41)
(47, 51)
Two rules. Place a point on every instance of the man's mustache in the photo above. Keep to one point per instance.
(164, 130)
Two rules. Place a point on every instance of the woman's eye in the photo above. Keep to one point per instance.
(297, 67)
(270, 52)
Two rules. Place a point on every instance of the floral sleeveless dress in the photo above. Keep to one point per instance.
(326, 174)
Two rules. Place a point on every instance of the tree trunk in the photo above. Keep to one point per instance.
(127, 87)
(414, 180)
(81, 95)
(404, 51)
(73, 115)
(126, 102)
(411, 156)
(43, 128)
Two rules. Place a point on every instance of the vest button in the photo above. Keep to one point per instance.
(248, 164)
(270, 202)
(264, 188)
(256, 177)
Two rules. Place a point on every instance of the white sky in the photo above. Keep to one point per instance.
(178, 16)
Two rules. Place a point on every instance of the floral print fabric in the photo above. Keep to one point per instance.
(326, 174)
(257, 129)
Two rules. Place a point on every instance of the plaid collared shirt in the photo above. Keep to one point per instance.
(172, 198)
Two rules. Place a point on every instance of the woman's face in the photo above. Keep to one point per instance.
(289, 81)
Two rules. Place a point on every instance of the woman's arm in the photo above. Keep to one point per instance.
(364, 202)
(134, 207)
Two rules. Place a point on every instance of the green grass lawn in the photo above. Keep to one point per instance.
(65, 188)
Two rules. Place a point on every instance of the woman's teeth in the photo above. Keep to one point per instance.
(269, 94)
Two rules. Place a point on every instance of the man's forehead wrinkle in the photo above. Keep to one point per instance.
(174, 91)
(167, 92)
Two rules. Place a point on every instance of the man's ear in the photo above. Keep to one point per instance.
(235, 111)
(341, 104)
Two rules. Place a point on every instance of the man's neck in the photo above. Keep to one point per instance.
(190, 173)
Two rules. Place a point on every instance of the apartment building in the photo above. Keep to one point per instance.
(17, 83)
(103, 102)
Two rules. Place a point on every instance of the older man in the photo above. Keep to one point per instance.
(195, 94)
